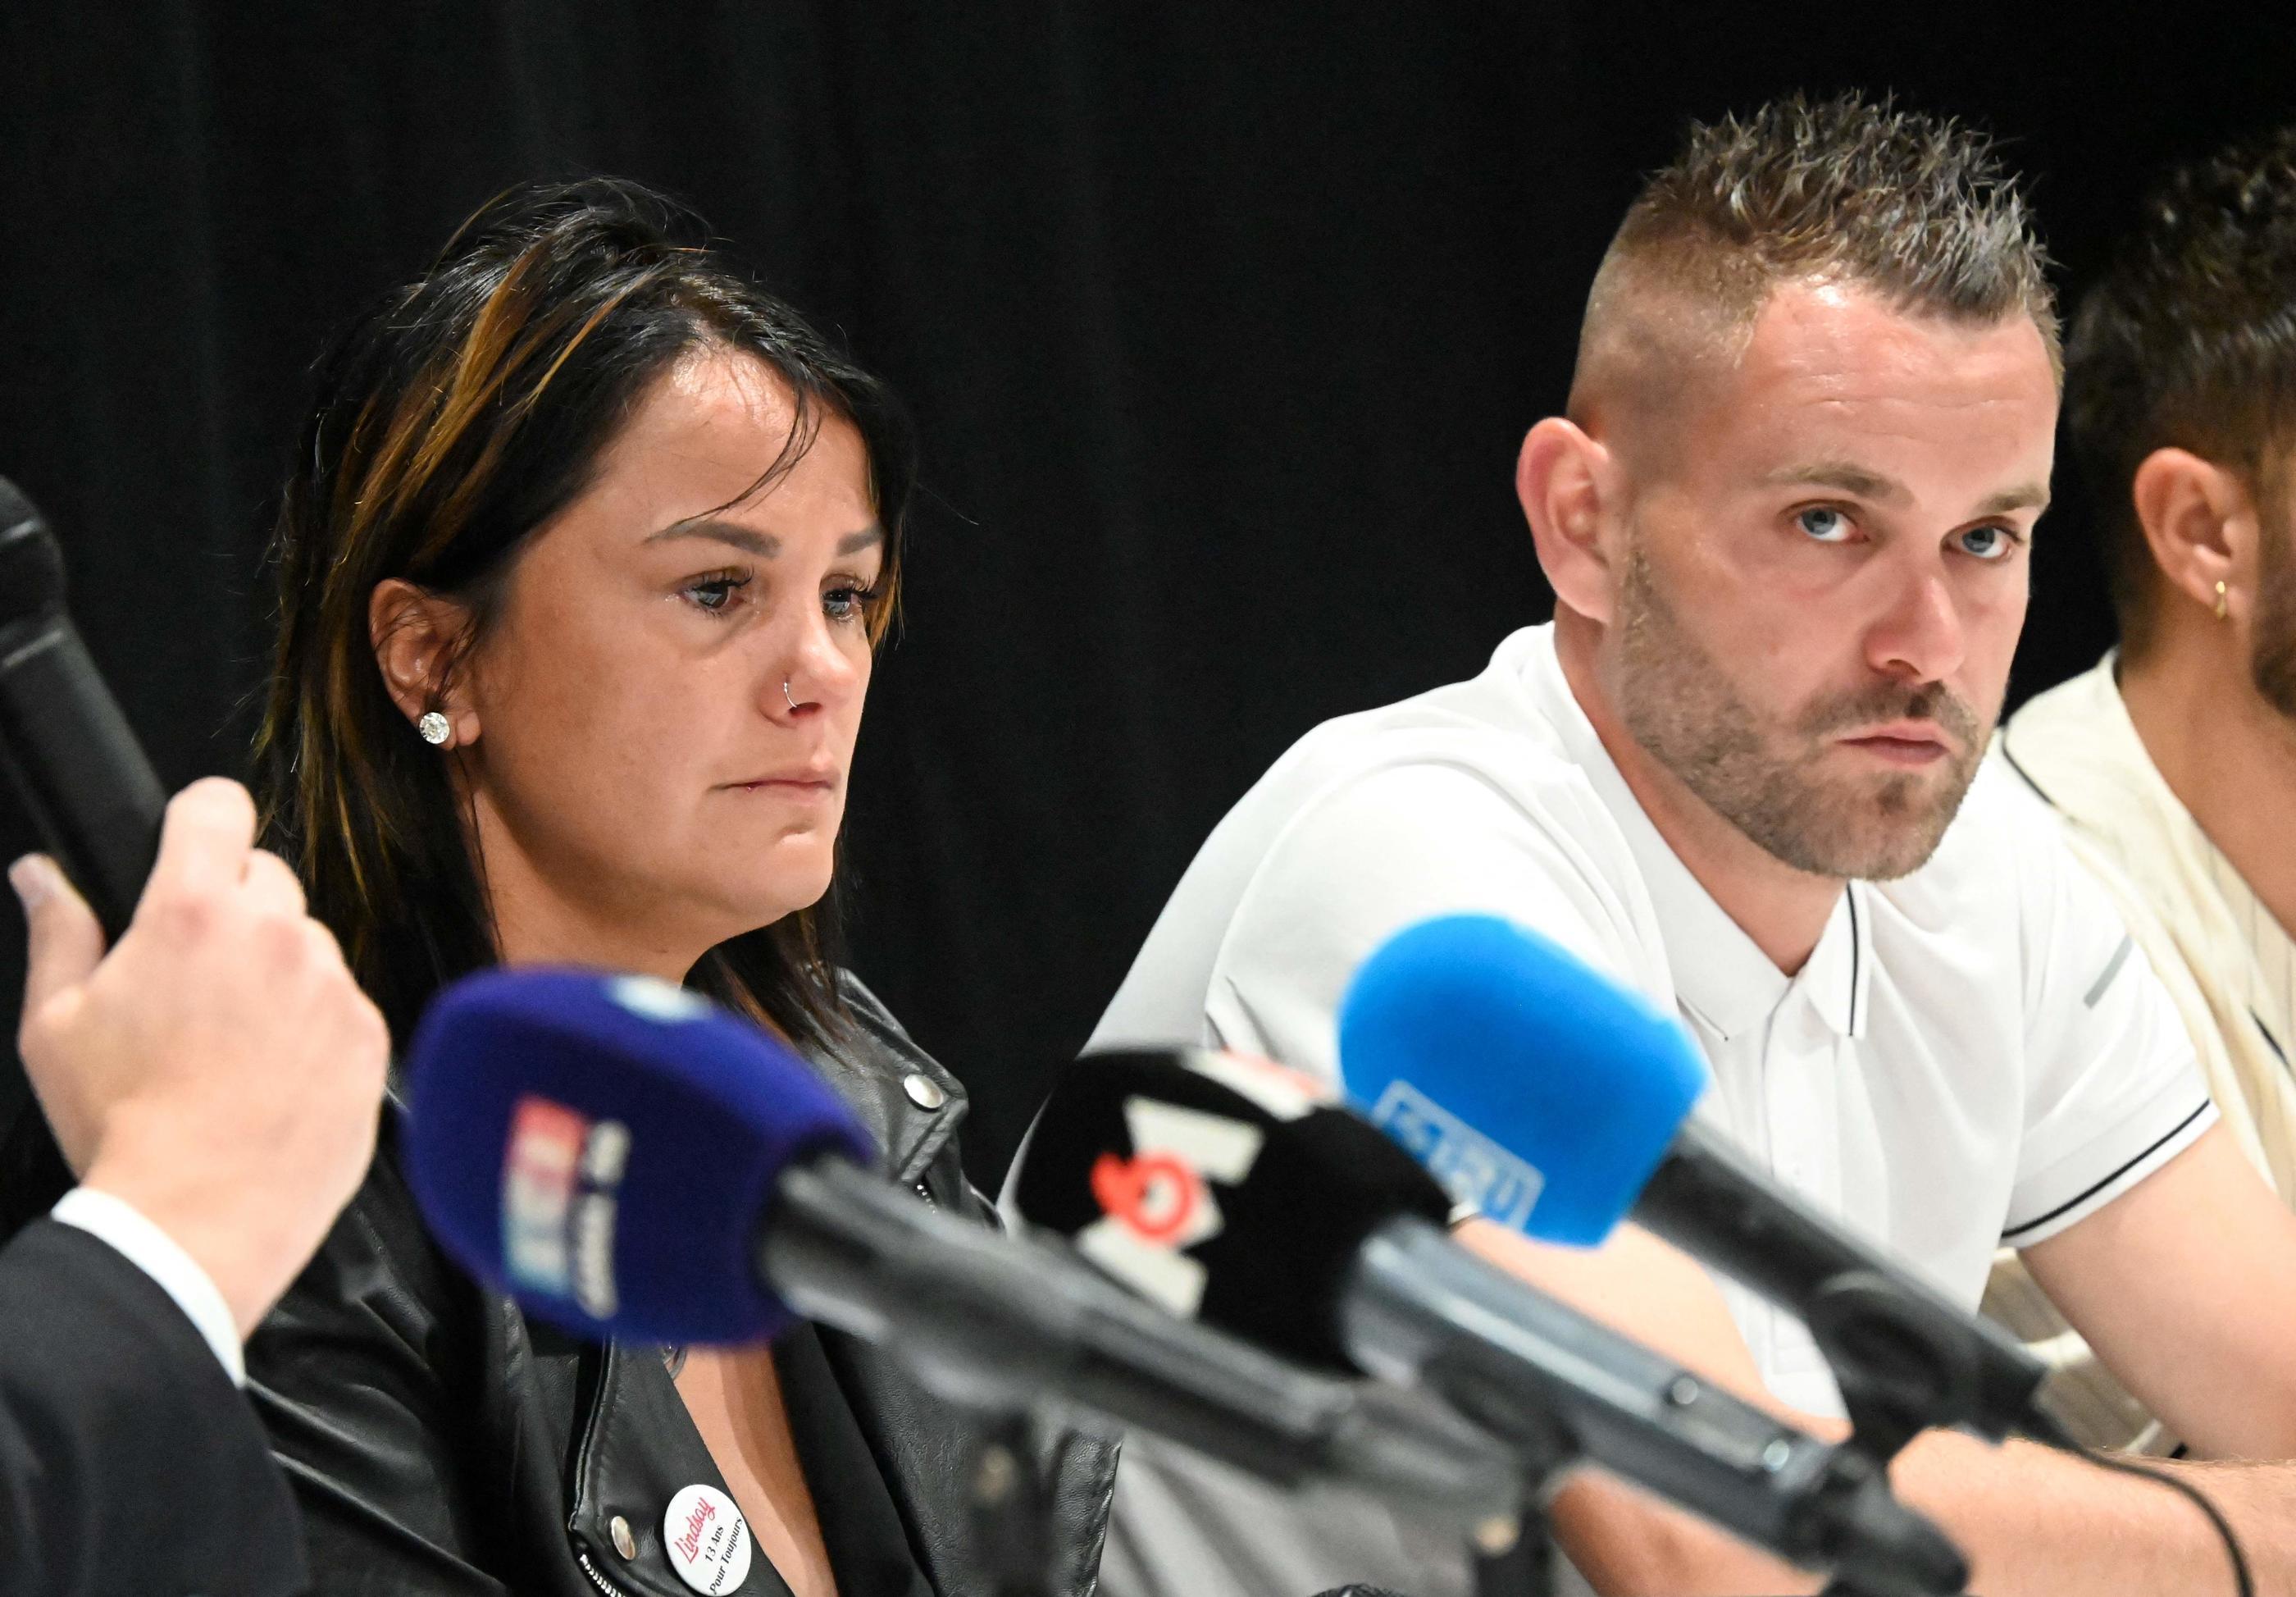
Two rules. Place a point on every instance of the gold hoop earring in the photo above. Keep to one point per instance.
(2220, 599)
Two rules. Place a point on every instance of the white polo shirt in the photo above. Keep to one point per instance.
(1973, 1053)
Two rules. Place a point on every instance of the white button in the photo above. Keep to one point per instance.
(923, 1091)
(708, 1543)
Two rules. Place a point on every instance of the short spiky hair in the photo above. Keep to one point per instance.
(1918, 209)
(2189, 342)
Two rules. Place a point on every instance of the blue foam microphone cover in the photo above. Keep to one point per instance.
(1533, 1087)
(605, 1149)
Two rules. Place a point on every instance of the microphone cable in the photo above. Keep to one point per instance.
(2045, 1427)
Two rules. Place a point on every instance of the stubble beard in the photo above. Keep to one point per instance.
(1678, 704)
(2272, 653)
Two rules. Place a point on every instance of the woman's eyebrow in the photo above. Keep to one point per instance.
(764, 545)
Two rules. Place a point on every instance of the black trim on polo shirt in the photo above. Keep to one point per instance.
(2039, 792)
(2270, 1040)
(2159, 1142)
(1854, 939)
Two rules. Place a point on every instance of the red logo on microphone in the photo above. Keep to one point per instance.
(1156, 1193)
(1157, 1203)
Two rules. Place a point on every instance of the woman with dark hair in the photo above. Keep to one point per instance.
(581, 566)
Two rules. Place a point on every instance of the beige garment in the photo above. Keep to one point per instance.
(2229, 966)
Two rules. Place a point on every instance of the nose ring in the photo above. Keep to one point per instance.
(785, 693)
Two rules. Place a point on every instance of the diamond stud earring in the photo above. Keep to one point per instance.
(434, 728)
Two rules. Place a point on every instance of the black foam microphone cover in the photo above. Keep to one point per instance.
(1288, 1226)
(83, 775)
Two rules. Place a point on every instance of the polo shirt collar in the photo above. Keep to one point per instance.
(1718, 972)
(1838, 975)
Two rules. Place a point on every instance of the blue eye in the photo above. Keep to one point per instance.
(714, 595)
(848, 603)
(1823, 525)
(1987, 543)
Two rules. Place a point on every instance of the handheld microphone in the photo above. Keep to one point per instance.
(1218, 1187)
(1556, 1102)
(627, 1160)
(84, 776)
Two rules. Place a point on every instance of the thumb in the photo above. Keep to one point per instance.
(64, 939)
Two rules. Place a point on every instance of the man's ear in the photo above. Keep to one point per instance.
(418, 639)
(1567, 481)
(2200, 521)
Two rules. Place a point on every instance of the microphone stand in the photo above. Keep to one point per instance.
(1898, 1374)
(1010, 1504)
(1526, 1568)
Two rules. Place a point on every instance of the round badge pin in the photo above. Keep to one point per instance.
(706, 1540)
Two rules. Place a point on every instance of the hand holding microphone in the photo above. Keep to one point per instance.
(218, 1069)
(216, 1080)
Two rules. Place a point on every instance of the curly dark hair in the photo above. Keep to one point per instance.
(454, 419)
(1917, 208)
(2188, 341)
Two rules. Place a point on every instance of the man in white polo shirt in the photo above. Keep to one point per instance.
(1787, 524)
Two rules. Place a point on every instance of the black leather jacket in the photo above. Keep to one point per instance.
(442, 1443)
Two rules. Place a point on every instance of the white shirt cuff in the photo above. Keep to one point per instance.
(162, 1257)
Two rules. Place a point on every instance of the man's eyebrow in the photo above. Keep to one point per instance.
(1843, 477)
(764, 545)
(2029, 496)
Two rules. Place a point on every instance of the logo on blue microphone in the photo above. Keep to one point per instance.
(1473, 1169)
(560, 1174)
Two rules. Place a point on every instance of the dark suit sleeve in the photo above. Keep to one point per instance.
(129, 1461)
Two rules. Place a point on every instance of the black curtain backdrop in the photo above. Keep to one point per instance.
(1220, 324)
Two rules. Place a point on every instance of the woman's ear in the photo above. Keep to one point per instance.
(418, 639)
(2200, 522)
(1565, 479)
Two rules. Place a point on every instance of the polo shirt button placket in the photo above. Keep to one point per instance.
(1777, 1102)
(1796, 1133)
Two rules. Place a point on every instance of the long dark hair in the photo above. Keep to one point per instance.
(454, 418)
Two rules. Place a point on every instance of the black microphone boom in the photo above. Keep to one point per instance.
(1903, 1355)
(1004, 1322)
(84, 776)
(1419, 1310)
